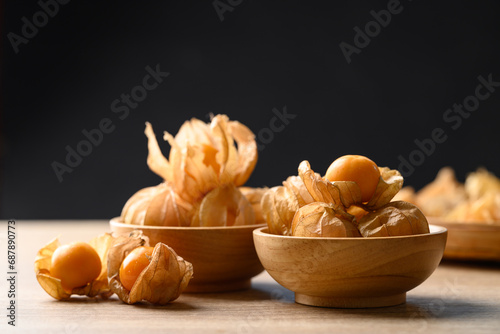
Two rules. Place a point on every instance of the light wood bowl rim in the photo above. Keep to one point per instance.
(116, 221)
(435, 230)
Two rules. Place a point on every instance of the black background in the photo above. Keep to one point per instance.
(263, 55)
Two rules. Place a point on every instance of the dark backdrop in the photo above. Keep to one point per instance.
(263, 55)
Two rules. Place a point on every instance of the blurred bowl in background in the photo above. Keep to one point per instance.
(470, 240)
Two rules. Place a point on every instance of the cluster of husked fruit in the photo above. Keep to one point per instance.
(125, 265)
(353, 199)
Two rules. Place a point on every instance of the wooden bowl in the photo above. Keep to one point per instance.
(350, 272)
(470, 241)
(223, 258)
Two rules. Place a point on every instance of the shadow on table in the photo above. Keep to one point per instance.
(416, 309)
(480, 265)
(419, 310)
(259, 291)
(177, 304)
(444, 308)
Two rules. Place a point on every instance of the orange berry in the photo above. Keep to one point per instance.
(210, 158)
(133, 265)
(356, 168)
(75, 265)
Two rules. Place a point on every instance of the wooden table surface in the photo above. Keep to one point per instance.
(457, 298)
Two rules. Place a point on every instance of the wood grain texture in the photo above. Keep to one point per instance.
(457, 298)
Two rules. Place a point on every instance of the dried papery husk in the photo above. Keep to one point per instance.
(53, 286)
(164, 209)
(254, 197)
(247, 151)
(161, 282)
(159, 206)
(394, 219)
(406, 194)
(187, 155)
(389, 184)
(340, 194)
(320, 219)
(297, 186)
(481, 183)
(484, 209)
(478, 200)
(357, 212)
(224, 206)
(279, 205)
(135, 208)
(204, 156)
(156, 161)
(443, 194)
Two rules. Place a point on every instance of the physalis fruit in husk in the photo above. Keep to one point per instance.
(133, 265)
(138, 272)
(322, 220)
(78, 268)
(353, 188)
(394, 218)
(359, 169)
(206, 166)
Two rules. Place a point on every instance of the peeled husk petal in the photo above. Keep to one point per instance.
(156, 160)
(390, 183)
(340, 194)
(322, 220)
(224, 206)
(254, 197)
(203, 157)
(394, 219)
(161, 282)
(247, 151)
(296, 185)
(192, 175)
(279, 205)
(53, 286)
(357, 212)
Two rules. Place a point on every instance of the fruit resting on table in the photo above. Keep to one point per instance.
(124, 265)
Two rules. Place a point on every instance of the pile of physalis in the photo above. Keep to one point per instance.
(124, 265)
(203, 178)
(353, 199)
(475, 201)
(202, 186)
